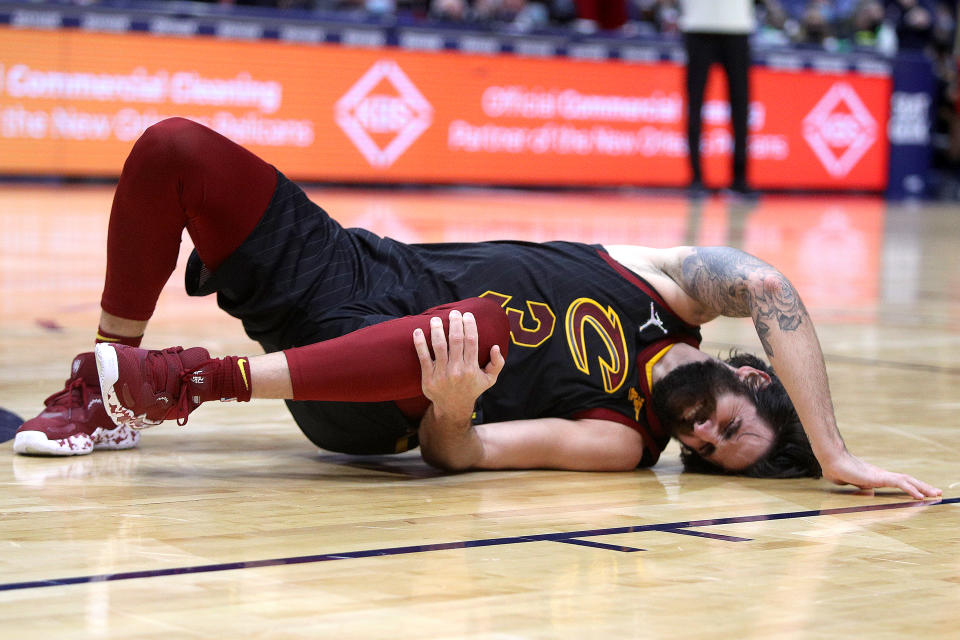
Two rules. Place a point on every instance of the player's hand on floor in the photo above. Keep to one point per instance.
(849, 469)
(453, 378)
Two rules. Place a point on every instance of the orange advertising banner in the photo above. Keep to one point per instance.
(73, 103)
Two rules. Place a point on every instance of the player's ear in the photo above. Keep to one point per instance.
(755, 378)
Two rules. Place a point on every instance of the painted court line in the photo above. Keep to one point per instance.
(601, 545)
(569, 537)
(704, 534)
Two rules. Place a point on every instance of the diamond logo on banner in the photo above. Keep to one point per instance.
(840, 129)
(383, 113)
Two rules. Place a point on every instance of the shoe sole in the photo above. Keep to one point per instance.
(108, 370)
(115, 439)
(37, 444)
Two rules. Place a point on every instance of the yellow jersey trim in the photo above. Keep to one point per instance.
(652, 361)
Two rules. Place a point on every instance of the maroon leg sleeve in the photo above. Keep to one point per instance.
(380, 363)
(178, 174)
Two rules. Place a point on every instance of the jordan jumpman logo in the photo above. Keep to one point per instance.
(654, 321)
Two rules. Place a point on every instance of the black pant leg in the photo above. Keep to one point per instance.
(735, 57)
(700, 56)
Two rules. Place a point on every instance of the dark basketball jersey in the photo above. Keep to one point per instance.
(585, 331)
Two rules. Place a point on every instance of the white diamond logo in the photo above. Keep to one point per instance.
(396, 119)
(840, 129)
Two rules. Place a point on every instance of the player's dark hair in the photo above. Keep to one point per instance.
(790, 456)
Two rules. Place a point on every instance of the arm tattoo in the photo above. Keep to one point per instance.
(733, 283)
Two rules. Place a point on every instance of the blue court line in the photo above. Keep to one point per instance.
(569, 537)
(601, 545)
(704, 534)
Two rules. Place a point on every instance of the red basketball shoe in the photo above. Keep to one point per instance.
(143, 388)
(73, 421)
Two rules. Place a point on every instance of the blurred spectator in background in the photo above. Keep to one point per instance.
(593, 15)
(774, 24)
(653, 16)
(507, 15)
(870, 28)
(867, 21)
(914, 22)
(276, 4)
(945, 137)
(531, 15)
(835, 25)
(816, 27)
(718, 32)
(449, 10)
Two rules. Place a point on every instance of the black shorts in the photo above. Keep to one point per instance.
(301, 278)
(360, 428)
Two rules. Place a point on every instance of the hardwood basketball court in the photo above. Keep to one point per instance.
(236, 527)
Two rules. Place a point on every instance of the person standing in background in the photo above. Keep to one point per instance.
(718, 32)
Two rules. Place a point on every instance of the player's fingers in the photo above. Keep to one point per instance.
(420, 344)
(497, 361)
(902, 482)
(927, 490)
(909, 488)
(456, 337)
(471, 340)
(439, 342)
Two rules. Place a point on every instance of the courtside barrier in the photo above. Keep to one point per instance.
(366, 103)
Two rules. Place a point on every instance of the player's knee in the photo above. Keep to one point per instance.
(170, 142)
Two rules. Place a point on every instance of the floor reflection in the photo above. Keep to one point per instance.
(847, 255)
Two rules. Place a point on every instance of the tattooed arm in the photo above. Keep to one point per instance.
(729, 282)
(732, 283)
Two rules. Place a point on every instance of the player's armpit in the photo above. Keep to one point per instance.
(557, 443)
(662, 269)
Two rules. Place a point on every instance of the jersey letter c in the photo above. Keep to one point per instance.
(583, 313)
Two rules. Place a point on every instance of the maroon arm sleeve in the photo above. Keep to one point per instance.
(379, 363)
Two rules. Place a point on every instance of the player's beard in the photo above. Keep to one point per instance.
(694, 385)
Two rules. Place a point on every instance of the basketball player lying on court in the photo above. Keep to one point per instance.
(379, 346)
